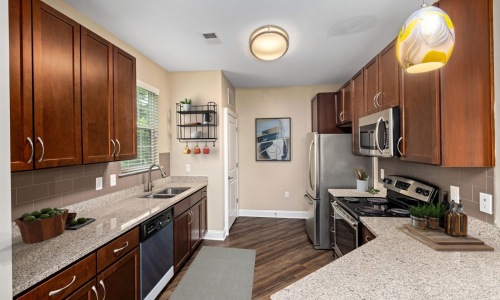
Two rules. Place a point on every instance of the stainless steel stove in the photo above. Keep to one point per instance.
(402, 193)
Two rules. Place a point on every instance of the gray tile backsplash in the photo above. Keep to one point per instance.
(471, 181)
(69, 185)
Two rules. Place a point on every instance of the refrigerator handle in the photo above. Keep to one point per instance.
(308, 199)
(310, 171)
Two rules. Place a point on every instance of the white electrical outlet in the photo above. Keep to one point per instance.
(112, 179)
(287, 194)
(188, 168)
(382, 174)
(98, 183)
(455, 193)
(486, 203)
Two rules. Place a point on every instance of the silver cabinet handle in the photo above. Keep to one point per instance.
(340, 116)
(119, 147)
(32, 149)
(376, 99)
(43, 148)
(332, 230)
(95, 292)
(376, 134)
(104, 288)
(375, 96)
(52, 293)
(368, 238)
(120, 249)
(114, 147)
(399, 142)
(190, 217)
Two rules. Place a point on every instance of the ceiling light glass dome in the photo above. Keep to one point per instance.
(269, 42)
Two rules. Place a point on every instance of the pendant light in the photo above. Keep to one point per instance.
(426, 40)
(269, 42)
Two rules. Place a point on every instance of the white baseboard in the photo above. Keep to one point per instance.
(287, 214)
(216, 235)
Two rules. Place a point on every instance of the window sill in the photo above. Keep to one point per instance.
(135, 172)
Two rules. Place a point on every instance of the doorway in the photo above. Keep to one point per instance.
(230, 168)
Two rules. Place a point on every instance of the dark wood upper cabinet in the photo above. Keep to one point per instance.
(97, 98)
(420, 118)
(56, 81)
(21, 86)
(381, 79)
(343, 104)
(323, 114)
(357, 108)
(467, 87)
(125, 104)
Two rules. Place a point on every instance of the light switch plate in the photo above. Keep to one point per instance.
(287, 194)
(188, 168)
(486, 203)
(112, 179)
(98, 183)
(382, 174)
(455, 193)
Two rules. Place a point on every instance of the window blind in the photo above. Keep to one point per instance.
(147, 132)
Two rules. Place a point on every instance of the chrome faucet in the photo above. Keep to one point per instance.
(150, 185)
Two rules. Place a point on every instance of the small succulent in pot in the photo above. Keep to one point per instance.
(186, 104)
(433, 212)
(360, 174)
(417, 217)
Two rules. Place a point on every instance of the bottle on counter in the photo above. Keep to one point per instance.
(446, 206)
(449, 219)
(462, 221)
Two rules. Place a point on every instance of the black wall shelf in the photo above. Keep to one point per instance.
(199, 118)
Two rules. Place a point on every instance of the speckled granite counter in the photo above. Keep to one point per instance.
(115, 214)
(355, 193)
(395, 266)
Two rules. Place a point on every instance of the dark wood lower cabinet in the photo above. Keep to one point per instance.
(86, 292)
(181, 239)
(366, 235)
(195, 232)
(122, 279)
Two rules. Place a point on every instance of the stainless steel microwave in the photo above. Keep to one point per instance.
(379, 133)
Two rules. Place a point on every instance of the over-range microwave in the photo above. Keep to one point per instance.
(379, 133)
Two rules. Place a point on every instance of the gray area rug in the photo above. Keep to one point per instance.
(218, 273)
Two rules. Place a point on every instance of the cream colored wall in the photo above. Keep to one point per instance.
(226, 84)
(201, 87)
(262, 184)
(147, 70)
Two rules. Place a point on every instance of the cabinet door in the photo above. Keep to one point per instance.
(420, 118)
(366, 235)
(203, 217)
(122, 279)
(346, 103)
(86, 292)
(97, 98)
(56, 79)
(314, 114)
(370, 74)
(21, 91)
(389, 74)
(125, 105)
(357, 109)
(195, 226)
(338, 107)
(323, 106)
(181, 239)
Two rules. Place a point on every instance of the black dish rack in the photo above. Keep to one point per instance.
(195, 119)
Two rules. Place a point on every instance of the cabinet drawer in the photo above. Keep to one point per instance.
(66, 282)
(195, 198)
(117, 248)
(181, 207)
(366, 235)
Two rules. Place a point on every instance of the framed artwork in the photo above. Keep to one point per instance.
(273, 139)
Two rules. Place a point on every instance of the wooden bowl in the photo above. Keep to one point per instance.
(39, 231)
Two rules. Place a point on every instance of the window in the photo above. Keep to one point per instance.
(147, 130)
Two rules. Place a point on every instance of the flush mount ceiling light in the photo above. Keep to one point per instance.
(269, 42)
(426, 40)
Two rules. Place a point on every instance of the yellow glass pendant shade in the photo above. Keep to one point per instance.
(426, 40)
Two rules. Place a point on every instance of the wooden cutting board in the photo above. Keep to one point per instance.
(439, 241)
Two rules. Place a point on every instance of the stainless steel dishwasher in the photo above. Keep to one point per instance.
(157, 254)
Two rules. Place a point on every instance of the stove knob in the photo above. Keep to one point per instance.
(425, 193)
(419, 191)
(387, 180)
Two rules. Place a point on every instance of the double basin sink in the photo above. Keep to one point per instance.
(167, 193)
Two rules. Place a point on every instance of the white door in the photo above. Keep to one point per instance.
(231, 133)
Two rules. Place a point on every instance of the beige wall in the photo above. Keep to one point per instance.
(262, 184)
(201, 87)
(147, 70)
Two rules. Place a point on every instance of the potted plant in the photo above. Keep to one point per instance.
(186, 104)
(361, 180)
(417, 217)
(433, 212)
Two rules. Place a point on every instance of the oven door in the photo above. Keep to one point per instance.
(345, 227)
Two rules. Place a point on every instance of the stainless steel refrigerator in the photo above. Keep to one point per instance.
(330, 164)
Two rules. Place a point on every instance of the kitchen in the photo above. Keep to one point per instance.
(251, 103)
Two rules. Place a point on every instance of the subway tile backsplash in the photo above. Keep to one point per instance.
(471, 181)
(64, 186)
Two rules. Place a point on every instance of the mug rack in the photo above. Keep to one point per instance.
(197, 123)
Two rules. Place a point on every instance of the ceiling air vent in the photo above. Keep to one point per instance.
(211, 38)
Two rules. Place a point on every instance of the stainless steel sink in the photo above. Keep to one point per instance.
(167, 193)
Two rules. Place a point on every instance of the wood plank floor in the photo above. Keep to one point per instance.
(284, 253)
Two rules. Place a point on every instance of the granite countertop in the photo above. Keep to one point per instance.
(395, 266)
(115, 214)
(355, 193)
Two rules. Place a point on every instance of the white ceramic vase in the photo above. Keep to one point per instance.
(361, 185)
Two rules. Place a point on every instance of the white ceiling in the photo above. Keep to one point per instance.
(323, 47)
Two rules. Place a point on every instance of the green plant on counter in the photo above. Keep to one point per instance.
(372, 191)
(418, 211)
(434, 210)
(185, 101)
(360, 174)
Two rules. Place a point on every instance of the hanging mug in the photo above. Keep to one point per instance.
(196, 150)
(207, 118)
(186, 150)
(206, 150)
